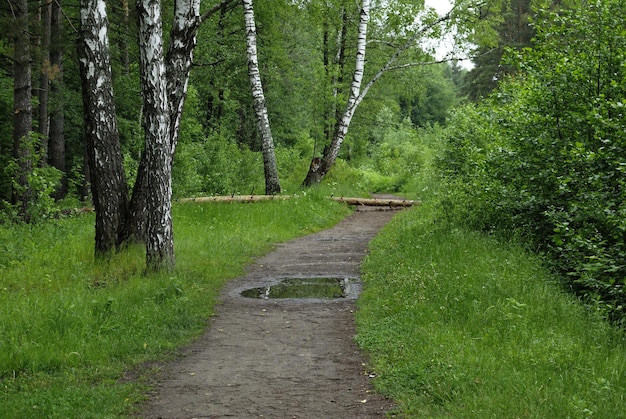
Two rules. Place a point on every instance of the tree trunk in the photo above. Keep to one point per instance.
(160, 239)
(56, 150)
(23, 112)
(124, 47)
(330, 153)
(108, 182)
(317, 172)
(179, 60)
(44, 78)
(272, 183)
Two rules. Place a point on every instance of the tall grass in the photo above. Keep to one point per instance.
(460, 325)
(70, 327)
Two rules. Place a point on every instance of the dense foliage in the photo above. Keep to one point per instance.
(305, 83)
(545, 156)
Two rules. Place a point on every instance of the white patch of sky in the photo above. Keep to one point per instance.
(444, 47)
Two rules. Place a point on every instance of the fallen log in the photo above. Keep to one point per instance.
(378, 202)
(350, 201)
(235, 198)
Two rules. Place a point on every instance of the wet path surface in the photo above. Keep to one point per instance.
(280, 358)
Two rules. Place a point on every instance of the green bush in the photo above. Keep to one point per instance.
(545, 156)
(216, 166)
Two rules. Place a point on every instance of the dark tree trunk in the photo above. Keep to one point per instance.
(124, 44)
(23, 112)
(56, 149)
(44, 78)
(108, 182)
(137, 225)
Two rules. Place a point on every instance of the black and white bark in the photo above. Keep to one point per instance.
(272, 183)
(22, 111)
(179, 58)
(178, 62)
(357, 94)
(108, 182)
(159, 147)
(316, 173)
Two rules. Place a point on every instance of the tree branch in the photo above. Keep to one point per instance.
(215, 9)
(443, 60)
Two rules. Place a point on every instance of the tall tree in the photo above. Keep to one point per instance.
(56, 133)
(178, 62)
(23, 112)
(317, 171)
(159, 151)
(272, 183)
(429, 26)
(514, 30)
(164, 81)
(108, 181)
(44, 76)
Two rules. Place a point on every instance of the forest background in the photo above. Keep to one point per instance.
(541, 158)
(526, 148)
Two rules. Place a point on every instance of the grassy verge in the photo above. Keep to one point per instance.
(70, 328)
(460, 325)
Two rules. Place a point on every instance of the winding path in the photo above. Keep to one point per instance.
(280, 358)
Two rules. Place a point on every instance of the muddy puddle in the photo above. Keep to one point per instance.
(306, 288)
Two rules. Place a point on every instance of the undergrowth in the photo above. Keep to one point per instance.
(71, 328)
(458, 324)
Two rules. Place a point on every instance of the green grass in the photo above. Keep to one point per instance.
(71, 328)
(459, 325)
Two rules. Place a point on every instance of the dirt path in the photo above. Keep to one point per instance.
(280, 358)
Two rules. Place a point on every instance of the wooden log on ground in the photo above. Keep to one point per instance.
(378, 202)
(235, 198)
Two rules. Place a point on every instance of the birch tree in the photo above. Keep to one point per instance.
(272, 183)
(178, 62)
(164, 82)
(431, 26)
(108, 182)
(317, 171)
(159, 148)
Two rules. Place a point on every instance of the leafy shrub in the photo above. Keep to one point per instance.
(546, 154)
(43, 183)
(216, 166)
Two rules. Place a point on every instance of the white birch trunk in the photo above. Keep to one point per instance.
(354, 98)
(178, 63)
(183, 39)
(160, 239)
(317, 172)
(272, 184)
(108, 182)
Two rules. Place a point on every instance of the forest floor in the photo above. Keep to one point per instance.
(280, 357)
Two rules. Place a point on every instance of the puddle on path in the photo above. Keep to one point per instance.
(327, 288)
